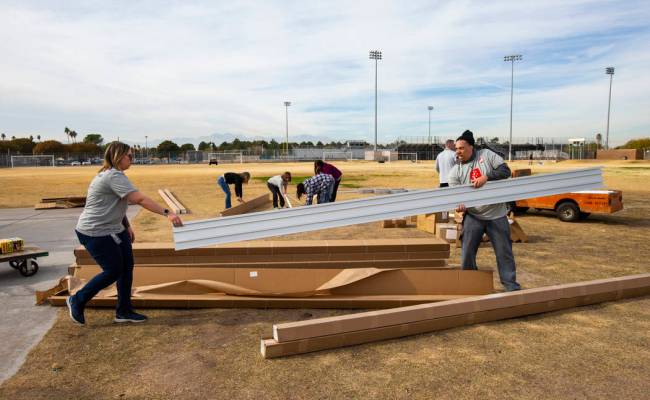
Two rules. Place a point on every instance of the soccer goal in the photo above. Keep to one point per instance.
(408, 156)
(228, 157)
(32, 161)
(337, 155)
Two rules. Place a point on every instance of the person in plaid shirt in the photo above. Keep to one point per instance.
(320, 185)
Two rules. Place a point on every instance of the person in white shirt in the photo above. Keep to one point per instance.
(278, 186)
(445, 162)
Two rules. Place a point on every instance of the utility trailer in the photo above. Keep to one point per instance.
(571, 207)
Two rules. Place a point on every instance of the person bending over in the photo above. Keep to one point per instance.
(278, 186)
(322, 167)
(232, 178)
(320, 185)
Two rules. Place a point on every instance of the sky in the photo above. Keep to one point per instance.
(223, 69)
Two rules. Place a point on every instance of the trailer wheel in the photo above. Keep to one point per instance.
(568, 212)
(28, 268)
(14, 264)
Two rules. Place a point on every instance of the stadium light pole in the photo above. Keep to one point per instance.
(609, 71)
(286, 139)
(512, 59)
(146, 148)
(375, 55)
(430, 108)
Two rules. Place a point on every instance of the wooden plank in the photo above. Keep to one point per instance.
(47, 206)
(248, 206)
(175, 200)
(169, 202)
(75, 199)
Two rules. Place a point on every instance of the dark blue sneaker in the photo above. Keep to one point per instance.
(76, 315)
(130, 317)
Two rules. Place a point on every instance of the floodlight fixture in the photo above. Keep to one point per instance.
(511, 58)
(375, 55)
(286, 138)
(609, 71)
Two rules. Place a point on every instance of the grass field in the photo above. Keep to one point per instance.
(600, 351)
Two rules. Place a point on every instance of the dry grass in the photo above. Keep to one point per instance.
(600, 351)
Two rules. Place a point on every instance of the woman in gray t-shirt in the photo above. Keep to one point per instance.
(105, 232)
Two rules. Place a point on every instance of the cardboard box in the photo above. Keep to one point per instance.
(11, 245)
(447, 231)
(427, 222)
(250, 205)
(330, 332)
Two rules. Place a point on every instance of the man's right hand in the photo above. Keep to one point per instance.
(239, 199)
(460, 208)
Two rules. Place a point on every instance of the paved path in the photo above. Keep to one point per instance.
(24, 324)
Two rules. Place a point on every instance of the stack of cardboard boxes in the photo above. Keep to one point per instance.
(373, 273)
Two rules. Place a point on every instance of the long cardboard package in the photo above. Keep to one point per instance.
(276, 247)
(302, 283)
(250, 205)
(305, 251)
(326, 333)
(322, 260)
(227, 301)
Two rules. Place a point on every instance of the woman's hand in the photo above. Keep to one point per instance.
(461, 208)
(174, 219)
(131, 234)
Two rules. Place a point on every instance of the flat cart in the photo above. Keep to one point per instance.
(25, 260)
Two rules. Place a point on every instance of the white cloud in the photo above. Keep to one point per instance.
(179, 69)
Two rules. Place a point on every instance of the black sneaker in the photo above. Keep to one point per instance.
(76, 315)
(130, 317)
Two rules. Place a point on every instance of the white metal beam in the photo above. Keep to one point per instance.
(304, 219)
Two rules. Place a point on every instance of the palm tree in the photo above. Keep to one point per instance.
(31, 138)
(13, 138)
(38, 137)
(67, 133)
(3, 136)
(73, 134)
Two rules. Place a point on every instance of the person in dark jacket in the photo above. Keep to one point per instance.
(322, 167)
(232, 178)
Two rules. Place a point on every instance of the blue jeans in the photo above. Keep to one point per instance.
(226, 189)
(325, 195)
(277, 194)
(116, 262)
(498, 230)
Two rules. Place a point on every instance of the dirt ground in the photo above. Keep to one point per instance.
(600, 351)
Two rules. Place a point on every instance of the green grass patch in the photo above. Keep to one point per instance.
(350, 185)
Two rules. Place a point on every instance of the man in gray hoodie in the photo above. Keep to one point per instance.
(476, 167)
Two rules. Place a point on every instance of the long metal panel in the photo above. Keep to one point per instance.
(359, 211)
